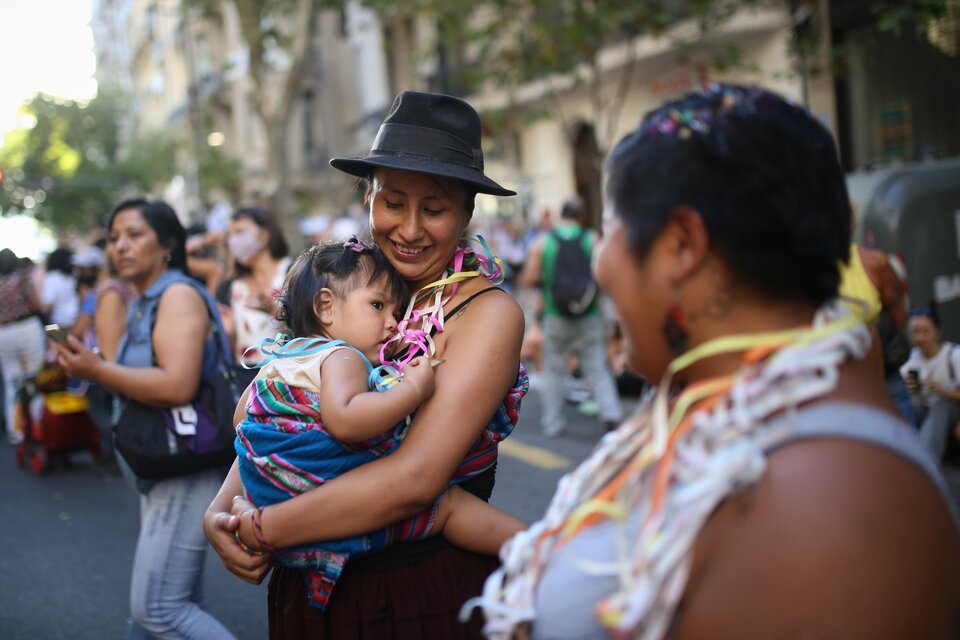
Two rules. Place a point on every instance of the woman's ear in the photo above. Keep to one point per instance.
(689, 242)
(323, 306)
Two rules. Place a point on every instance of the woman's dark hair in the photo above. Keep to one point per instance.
(337, 267)
(928, 311)
(763, 174)
(61, 260)
(164, 222)
(9, 262)
(277, 242)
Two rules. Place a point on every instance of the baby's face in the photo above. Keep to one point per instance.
(366, 318)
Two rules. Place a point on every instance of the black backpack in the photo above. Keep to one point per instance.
(573, 286)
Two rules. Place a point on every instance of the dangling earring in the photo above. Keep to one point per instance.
(167, 258)
(675, 327)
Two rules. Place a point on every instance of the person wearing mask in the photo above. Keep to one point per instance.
(260, 263)
(167, 346)
(21, 334)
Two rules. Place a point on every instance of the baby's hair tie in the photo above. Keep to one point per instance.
(356, 244)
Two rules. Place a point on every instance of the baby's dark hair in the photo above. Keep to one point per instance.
(337, 267)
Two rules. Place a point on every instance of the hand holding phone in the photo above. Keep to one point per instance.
(913, 380)
(56, 334)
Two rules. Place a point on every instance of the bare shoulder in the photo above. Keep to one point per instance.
(181, 296)
(840, 539)
(182, 308)
(497, 308)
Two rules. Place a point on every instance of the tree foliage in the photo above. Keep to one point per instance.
(278, 35)
(65, 163)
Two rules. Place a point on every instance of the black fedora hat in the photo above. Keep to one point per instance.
(428, 133)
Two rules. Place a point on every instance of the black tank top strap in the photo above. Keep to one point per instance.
(453, 312)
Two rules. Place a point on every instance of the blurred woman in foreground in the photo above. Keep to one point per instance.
(769, 488)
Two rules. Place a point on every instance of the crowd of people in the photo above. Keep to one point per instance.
(780, 475)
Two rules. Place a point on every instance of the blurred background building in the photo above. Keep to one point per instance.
(274, 94)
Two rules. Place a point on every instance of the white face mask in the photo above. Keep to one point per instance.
(244, 245)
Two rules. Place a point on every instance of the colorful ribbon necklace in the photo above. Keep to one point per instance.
(670, 465)
(424, 314)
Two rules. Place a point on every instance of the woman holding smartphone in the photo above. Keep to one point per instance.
(931, 378)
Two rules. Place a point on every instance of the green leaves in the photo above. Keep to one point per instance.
(63, 163)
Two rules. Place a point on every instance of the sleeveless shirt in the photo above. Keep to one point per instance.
(570, 587)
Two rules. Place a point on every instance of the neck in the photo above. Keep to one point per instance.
(745, 317)
(142, 285)
(931, 350)
(263, 265)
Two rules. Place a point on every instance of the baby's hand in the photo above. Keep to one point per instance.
(420, 374)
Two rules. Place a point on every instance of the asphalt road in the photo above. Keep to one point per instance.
(69, 535)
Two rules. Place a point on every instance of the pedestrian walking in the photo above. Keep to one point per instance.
(573, 323)
(168, 345)
(21, 335)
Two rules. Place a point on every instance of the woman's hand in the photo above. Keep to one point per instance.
(911, 383)
(421, 375)
(219, 527)
(77, 360)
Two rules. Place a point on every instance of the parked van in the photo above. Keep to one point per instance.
(913, 211)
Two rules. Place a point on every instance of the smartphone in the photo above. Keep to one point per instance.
(914, 375)
(56, 333)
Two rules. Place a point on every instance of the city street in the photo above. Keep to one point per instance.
(70, 534)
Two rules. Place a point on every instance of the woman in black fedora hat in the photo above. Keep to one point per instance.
(423, 171)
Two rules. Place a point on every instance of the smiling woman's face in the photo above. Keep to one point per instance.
(418, 221)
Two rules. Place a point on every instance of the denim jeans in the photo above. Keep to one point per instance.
(166, 589)
(901, 397)
(584, 336)
(936, 424)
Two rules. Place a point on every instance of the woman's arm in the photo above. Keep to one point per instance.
(81, 325)
(109, 318)
(353, 413)
(219, 526)
(180, 330)
(481, 353)
(822, 534)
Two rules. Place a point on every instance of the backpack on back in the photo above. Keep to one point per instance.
(573, 286)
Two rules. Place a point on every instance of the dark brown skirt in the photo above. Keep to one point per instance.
(417, 601)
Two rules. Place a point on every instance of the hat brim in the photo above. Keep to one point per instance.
(362, 167)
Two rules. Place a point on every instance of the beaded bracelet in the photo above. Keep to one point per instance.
(258, 529)
(253, 552)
